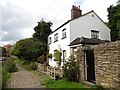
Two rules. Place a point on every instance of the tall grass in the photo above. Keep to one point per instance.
(8, 67)
(26, 64)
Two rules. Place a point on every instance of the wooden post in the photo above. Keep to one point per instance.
(51, 72)
(54, 73)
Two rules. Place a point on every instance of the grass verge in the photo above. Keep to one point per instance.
(26, 64)
(8, 67)
(50, 83)
(64, 84)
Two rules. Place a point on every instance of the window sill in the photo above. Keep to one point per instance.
(55, 41)
(64, 37)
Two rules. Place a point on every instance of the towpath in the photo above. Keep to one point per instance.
(23, 79)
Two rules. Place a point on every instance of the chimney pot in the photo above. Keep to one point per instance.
(75, 12)
(79, 7)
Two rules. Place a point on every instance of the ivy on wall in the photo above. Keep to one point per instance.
(57, 55)
(49, 55)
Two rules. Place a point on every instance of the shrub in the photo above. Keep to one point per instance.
(5, 77)
(70, 70)
(9, 65)
(33, 66)
(49, 55)
(41, 59)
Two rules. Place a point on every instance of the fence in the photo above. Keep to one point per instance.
(53, 72)
(42, 68)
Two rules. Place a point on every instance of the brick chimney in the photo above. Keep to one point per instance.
(75, 12)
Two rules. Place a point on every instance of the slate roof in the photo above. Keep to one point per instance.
(83, 40)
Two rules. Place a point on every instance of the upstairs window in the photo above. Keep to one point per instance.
(64, 33)
(56, 37)
(94, 34)
(49, 40)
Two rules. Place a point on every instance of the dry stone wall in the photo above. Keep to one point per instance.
(107, 64)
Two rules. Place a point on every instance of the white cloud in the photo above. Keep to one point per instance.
(5, 33)
(99, 6)
(3, 3)
(2, 43)
(27, 32)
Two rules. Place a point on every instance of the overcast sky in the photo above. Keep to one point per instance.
(19, 17)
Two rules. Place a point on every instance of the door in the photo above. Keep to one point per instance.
(64, 55)
(90, 70)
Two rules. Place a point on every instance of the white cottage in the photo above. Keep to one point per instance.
(88, 25)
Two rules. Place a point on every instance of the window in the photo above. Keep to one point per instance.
(56, 37)
(64, 55)
(64, 33)
(94, 34)
(49, 40)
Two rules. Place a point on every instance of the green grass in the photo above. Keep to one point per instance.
(8, 67)
(25, 64)
(64, 84)
(5, 76)
(50, 83)
(43, 78)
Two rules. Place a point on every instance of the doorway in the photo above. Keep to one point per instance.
(90, 67)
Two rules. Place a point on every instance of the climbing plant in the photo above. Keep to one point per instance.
(71, 70)
(57, 55)
(49, 55)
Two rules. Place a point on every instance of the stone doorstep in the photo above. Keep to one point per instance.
(88, 84)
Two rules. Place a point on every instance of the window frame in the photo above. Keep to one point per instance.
(49, 40)
(56, 36)
(94, 34)
(64, 33)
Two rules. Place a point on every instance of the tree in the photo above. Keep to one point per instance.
(28, 49)
(32, 48)
(118, 1)
(114, 21)
(42, 31)
(36, 49)
(21, 48)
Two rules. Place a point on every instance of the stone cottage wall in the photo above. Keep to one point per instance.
(107, 64)
(81, 63)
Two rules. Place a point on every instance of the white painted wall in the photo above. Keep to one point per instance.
(83, 26)
(76, 28)
(61, 43)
